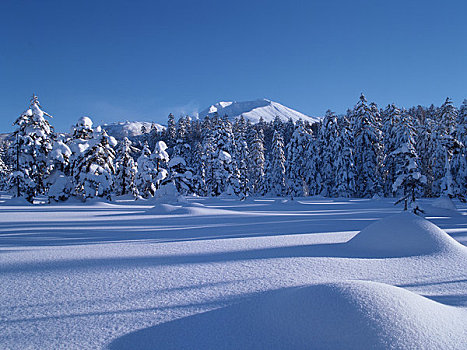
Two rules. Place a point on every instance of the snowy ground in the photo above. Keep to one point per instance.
(129, 276)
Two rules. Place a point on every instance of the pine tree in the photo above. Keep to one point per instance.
(257, 169)
(59, 184)
(33, 142)
(171, 130)
(328, 137)
(344, 162)
(446, 146)
(179, 172)
(367, 144)
(313, 165)
(391, 120)
(405, 158)
(459, 161)
(4, 169)
(295, 164)
(242, 155)
(161, 159)
(276, 171)
(125, 176)
(94, 170)
(146, 173)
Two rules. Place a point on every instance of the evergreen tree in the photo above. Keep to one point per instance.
(367, 145)
(94, 170)
(171, 130)
(276, 171)
(33, 142)
(179, 172)
(391, 118)
(328, 137)
(4, 169)
(146, 172)
(59, 183)
(446, 146)
(459, 161)
(161, 159)
(344, 162)
(257, 169)
(295, 164)
(125, 176)
(405, 158)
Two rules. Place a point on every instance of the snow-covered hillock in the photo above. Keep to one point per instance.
(403, 234)
(339, 315)
(254, 110)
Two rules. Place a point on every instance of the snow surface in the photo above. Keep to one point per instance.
(219, 273)
(254, 110)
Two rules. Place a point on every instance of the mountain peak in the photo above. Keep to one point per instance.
(255, 110)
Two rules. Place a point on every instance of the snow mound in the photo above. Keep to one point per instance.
(442, 206)
(444, 203)
(254, 110)
(16, 201)
(341, 315)
(403, 234)
(185, 209)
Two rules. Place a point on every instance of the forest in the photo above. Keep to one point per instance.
(364, 153)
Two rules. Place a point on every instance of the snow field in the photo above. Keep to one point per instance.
(124, 275)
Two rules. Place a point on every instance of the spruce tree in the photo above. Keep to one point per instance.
(295, 164)
(408, 176)
(146, 173)
(126, 170)
(33, 142)
(257, 169)
(95, 169)
(276, 171)
(367, 144)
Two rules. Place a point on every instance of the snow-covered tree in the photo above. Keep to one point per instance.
(276, 171)
(33, 142)
(257, 169)
(161, 159)
(344, 162)
(94, 169)
(171, 130)
(146, 172)
(4, 168)
(295, 164)
(179, 171)
(446, 146)
(242, 155)
(459, 160)
(408, 178)
(367, 145)
(59, 183)
(125, 176)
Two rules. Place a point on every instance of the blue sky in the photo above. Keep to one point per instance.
(140, 60)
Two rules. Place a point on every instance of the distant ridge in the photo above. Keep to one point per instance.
(254, 110)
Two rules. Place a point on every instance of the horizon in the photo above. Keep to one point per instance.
(140, 62)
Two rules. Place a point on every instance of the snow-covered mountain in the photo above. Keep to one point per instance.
(254, 110)
(129, 129)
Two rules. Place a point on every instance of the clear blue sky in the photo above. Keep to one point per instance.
(140, 60)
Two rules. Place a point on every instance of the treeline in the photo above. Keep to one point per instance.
(367, 152)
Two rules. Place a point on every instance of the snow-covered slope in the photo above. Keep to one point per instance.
(254, 110)
(342, 315)
(128, 129)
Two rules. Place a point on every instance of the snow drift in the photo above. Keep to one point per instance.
(403, 234)
(342, 315)
(254, 110)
